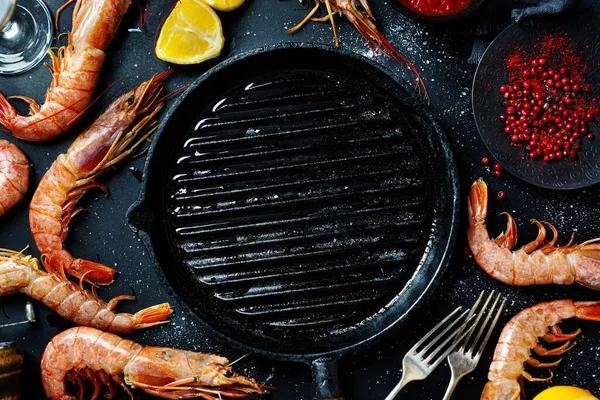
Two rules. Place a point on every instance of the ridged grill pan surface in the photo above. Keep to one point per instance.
(299, 201)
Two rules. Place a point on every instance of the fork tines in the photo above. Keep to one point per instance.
(428, 353)
(465, 358)
(492, 314)
(450, 338)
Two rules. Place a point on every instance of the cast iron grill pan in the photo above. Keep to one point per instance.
(298, 201)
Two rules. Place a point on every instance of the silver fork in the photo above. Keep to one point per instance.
(417, 365)
(465, 358)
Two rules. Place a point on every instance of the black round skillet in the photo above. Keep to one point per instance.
(156, 219)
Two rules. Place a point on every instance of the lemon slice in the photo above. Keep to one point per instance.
(191, 34)
(565, 393)
(225, 5)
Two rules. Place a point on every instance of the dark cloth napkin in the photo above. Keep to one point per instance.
(495, 15)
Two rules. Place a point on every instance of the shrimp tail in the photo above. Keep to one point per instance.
(478, 203)
(7, 112)
(588, 310)
(21, 274)
(59, 261)
(97, 273)
(152, 316)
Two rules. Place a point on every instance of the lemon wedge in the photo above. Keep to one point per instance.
(565, 393)
(191, 34)
(225, 5)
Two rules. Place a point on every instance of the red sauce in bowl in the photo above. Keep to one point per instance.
(436, 8)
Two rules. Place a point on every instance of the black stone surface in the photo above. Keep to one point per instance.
(101, 232)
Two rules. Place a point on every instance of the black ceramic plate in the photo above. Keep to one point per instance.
(487, 102)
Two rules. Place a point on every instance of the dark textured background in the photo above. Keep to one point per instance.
(102, 232)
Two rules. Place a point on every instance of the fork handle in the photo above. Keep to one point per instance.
(453, 382)
(403, 381)
(325, 378)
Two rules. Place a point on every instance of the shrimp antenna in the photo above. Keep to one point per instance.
(174, 92)
(369, 42)
(162, 21)
(23, 251)
(12, 252)
(239, 359)
(305, 20)
(146, 14)
(70, 107)
(94, 101)
(155, 90)
(335, 36)
(60, 10)
(143, 18)
(164, 74)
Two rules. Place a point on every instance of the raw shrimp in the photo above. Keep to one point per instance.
(102, 358)
(75, 72)
(359, 13)
(22, 274)
(531, 264)
(521, 334)
(124, 125)
(14, 175)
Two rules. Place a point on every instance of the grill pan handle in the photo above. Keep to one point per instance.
(325, 379)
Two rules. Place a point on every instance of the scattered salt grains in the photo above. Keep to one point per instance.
(416, 51)
(368, 53)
